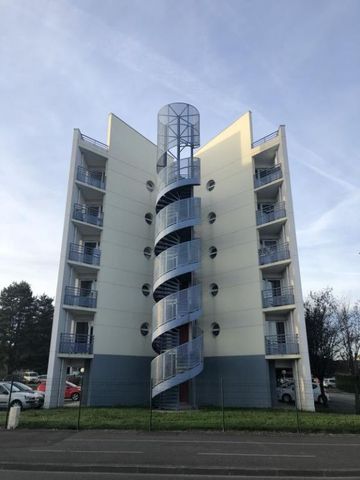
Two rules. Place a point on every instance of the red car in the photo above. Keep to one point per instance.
(72, 391)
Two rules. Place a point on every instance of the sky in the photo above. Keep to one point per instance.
(66, 64)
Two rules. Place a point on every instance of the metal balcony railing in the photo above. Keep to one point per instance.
(94, 177)
(102, 145)
(274, 253)
(186, 169)
(282, 345)
(88, 214)
(265, 139)
(271, 213)
(175, 257)
(176, 306)
(267, 175)
(178, 212)
(275, 297)
(82, 254)
(80, 297)
(76, 343)
(177, 360)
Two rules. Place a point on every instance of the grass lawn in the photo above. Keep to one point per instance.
(203, 419)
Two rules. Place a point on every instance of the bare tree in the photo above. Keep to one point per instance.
(322, 333)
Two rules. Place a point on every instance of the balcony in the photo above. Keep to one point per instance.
(80, 297)
(88, 214)
(93, 178)
(278, 296)
(274, 253)
(263, 176)
(76, 344)
(282, 345)
(94, 142)
(81, 254)
(265, 139)
(270, 213)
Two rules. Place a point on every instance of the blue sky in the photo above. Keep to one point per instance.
(67, 64)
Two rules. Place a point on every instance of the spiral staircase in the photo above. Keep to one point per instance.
(176, 337)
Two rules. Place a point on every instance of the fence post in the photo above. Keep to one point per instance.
(150, 413)
(81, 396)
(9, 401)
(297, 411)
(222, 403)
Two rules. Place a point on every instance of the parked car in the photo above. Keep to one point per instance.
(40, 396)
(72, 391)
(42, 378)
(31, 377)
(286, 393)
(19, 398)
(330, 382)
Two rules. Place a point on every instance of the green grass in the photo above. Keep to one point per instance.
(203, 419)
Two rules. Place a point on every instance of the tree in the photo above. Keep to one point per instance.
(25, 328)
(349, 342)
(322, 333)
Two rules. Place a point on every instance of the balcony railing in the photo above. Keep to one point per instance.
(80, 297)
(76, 343)
(274, 253)
(265, 139)
(82, 254)
(178, 212)
(94, 177)
(187, 170)
(88, 214)
(102, 145)
(176, 257)
(267, 175)
(271, 213)
(278, 296)
(282, 345)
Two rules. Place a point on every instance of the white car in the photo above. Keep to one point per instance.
(31, 377)
(21, 399)
(330, 382)
(286, 393)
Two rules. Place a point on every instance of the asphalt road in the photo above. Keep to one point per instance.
(107, 454)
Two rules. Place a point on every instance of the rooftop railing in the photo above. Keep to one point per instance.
(80, 297)
(271, 213)
(274, 253)
(278, 296)
(282, 344)
(265, 139)
(76, 344)
(93, 177)
(264, 176)
(88, 214)
(82, 254)
(102, 145)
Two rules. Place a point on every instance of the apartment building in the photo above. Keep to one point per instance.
(179, 275)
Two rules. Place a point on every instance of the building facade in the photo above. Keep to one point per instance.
(179, 277)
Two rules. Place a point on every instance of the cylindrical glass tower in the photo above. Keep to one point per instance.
(176, 338)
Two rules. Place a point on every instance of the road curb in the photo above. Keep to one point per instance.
(177, 470)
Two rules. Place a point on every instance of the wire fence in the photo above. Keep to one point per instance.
(224, 404)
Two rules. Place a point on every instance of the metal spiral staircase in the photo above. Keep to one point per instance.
(176, 338)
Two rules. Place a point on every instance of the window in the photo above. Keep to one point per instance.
(146, 289)
(144, 329)
(214, 289)
(150, 185)
(212, 252)
(210, 185)
(147, 252)
(148, 218)
(212, 217)
(215, 329)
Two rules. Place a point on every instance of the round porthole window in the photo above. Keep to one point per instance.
(147, 252)
(144, 329)
(212, 252)
(214, 289)
(148, 218)
(212, 217)
(215, 329)
(146, 288)
(150, 185)
(210, 185)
